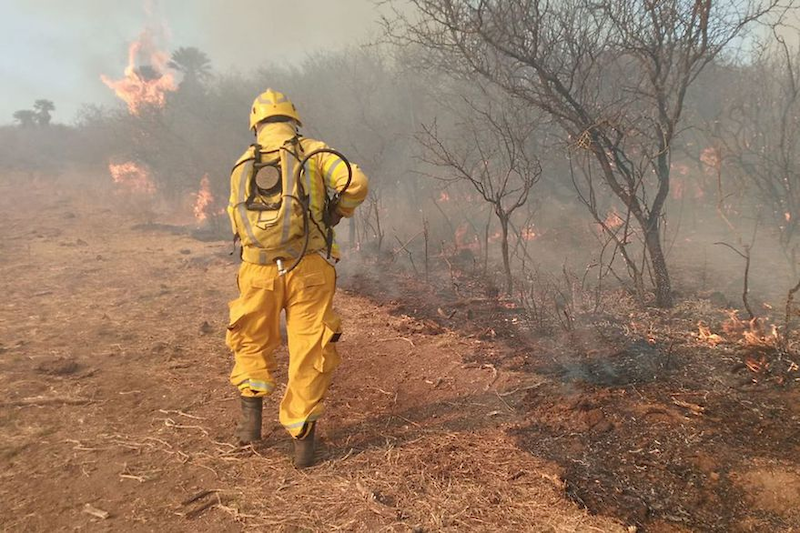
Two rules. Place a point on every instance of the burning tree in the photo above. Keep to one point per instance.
(614, 75)
(493, 155)
(145, 84)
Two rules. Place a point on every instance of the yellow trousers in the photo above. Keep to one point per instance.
(306, 293)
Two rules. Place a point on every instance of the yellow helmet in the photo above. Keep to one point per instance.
(272, 104)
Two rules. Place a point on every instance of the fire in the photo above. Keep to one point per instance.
(682, 169)
(711, 158)
(704, 334)
(496, 236)
(444, 197)
(464, 241)
(132, 178)
(528, 233)
(203, 200)
(613, 220)
(148, 83)
(755, 332)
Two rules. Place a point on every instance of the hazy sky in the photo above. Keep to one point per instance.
(57, 49)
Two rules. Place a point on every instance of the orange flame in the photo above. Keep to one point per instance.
(465, 241)
(132, 178)
(711, 158)
(755, 332)
(444, 197)
(613, 220)
(704, 334)
(203, 200)
(147, 84)
(528, 233)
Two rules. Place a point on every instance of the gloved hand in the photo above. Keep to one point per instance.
(334, 217)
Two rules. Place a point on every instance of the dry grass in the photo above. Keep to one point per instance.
(445, 482)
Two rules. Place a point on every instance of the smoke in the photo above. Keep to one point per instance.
(61, 48)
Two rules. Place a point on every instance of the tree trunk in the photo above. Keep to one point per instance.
(659, 263)
(506, 261)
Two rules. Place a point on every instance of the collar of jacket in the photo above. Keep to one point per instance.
(272, 136)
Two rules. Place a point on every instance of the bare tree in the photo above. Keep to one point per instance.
(759, 137)
(493, 155)
(614, 75)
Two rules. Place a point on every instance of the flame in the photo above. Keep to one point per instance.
(528, 233)
(682, 169)
(754, 332)
(704, 334)
(464, 242)
(496, 236)
(788, 216)
(132, 178)
(711, 158)
(203, 200)
(444, 197)
(148, 83)
(613, 220)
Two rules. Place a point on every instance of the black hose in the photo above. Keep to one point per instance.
(329, 202)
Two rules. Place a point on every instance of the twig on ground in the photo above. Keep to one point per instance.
(36, 401)
(171, 423)
(407, 420)
(180, 413)
(494, 374)
(522, 389)
(94, 511)
(399, 339)
(199, 495)
(504, 402)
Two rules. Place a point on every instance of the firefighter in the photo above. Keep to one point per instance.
(287, 194)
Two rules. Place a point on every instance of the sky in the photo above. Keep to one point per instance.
(57, 49)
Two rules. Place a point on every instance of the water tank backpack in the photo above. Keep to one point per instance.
(272, 204)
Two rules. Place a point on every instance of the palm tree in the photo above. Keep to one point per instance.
(43, 108)
(192, 62)
(25, 117)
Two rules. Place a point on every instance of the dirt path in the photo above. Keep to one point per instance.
(116, 411)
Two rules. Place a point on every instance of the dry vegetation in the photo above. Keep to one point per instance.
(117, 414)
(571, 296)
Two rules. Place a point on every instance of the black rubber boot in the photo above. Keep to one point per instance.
(249, 428)
(304, 447)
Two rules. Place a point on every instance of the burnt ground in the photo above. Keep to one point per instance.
(117, 415)
(649, 423)
(446, 415)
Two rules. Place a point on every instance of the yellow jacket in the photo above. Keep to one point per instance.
(267, 236)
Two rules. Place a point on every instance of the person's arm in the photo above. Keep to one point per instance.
(334, 173)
